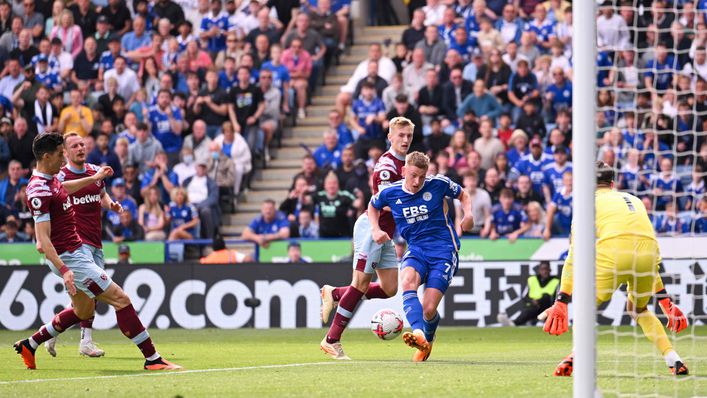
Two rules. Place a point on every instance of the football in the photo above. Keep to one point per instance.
(386, 324)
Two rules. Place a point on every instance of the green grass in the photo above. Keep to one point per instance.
(465, 361)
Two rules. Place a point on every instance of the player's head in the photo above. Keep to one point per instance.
(605, 175)
(415, 170)
(48, 149)
(400, 134)
(75, 149)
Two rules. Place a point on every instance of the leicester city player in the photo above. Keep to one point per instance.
(420, 212)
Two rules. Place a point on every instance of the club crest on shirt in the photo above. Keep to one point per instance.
(427, 196)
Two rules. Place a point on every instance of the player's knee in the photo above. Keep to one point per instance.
(390, 289)
(85, 312)
(360, 285)
(120, 300)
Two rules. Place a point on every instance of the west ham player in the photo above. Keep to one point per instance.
(420, 211)
(56, 235)
(369, 257)
(88, 203)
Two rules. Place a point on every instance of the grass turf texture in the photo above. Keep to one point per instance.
(486, 362)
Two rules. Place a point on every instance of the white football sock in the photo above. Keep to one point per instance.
(671, 357)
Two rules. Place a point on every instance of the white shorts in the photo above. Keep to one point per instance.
(369, 255)
(88, 277)
(97, 255)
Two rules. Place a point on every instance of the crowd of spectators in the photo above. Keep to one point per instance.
(181, 98)
(488, 85)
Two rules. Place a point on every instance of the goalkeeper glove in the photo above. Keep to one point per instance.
(677, 321)
(556, 319)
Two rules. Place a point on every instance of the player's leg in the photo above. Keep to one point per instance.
(82, 308)
(132, 328)
(413, 274)
(86, 346)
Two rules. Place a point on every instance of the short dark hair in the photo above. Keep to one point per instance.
(605, 173)
(506, 193)
(218, 243)
(142, 126)
(46, 143)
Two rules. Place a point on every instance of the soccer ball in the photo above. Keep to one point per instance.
(387, 324)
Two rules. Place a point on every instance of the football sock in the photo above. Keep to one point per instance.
(430, 327)
(87, 329)
(375, 292)
(671, 357)
(344, 312)
(338, 292)
(132, 328)
(61, 321)
(413, 309)
(654, 331)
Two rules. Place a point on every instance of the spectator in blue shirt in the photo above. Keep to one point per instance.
(213, 28)
(506, 220)
(103, 155)
(523, 87)
(182, 215)
(543, 27)
(137, 38)
(159, 176)
(559, 210)
(532, 165)
(669, 223)
(328, 155)
(167, 125)
(370, 112)
(666, 186)
(344, 134)
(664, 65)
(554, 173)
(699, 224)
(462, 43)
(558, 94)
(120, 195)
(481, 102)
(269, 226)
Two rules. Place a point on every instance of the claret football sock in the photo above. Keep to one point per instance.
(430, 327)
(344, 312)
(413, 309)
(61, 321)
(132, 328)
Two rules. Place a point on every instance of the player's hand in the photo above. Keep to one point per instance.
(39, 247)
(69, 282)
(467, 223)
(556, 322)
(116, 207)
(103, 173)
(380, 236)
(677, 321)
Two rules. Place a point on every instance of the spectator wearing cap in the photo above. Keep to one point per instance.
(204, 195)
(532, 165)
(481, 102)
(402, 107)
(223, 255)
(102, 34)
(269, 226)
(128, 83)
(555, 171)
(12, 79)
(70, 34)
(60, 59)
(124, 255)
(119, 194)
(294, 253)
(46, 76)
(127, 229)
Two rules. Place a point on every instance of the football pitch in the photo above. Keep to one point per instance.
(465, 362)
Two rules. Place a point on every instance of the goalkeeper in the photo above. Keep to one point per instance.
(626, 252)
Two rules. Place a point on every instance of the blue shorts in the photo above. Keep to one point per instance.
(436, 269)
(369, 255)
(88, 277)
(97, 255)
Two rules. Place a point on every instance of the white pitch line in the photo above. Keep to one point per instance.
(169, 373)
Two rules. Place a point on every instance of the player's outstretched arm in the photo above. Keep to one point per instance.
(677, 321)
(108, 204)
(43, 231)
(75, 185)
(378, 235)
(467, 223)
(555, 317)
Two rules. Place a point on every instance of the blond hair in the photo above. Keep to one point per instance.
(417, 159)
(176, 191)
(400, 122)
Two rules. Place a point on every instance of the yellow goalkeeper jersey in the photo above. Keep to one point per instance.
(620, 214)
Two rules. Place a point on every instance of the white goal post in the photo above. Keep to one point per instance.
(584, 157)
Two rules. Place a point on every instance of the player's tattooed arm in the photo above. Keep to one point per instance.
(75, 185)
(43, 231)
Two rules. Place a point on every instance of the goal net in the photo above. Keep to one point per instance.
(651, 118)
